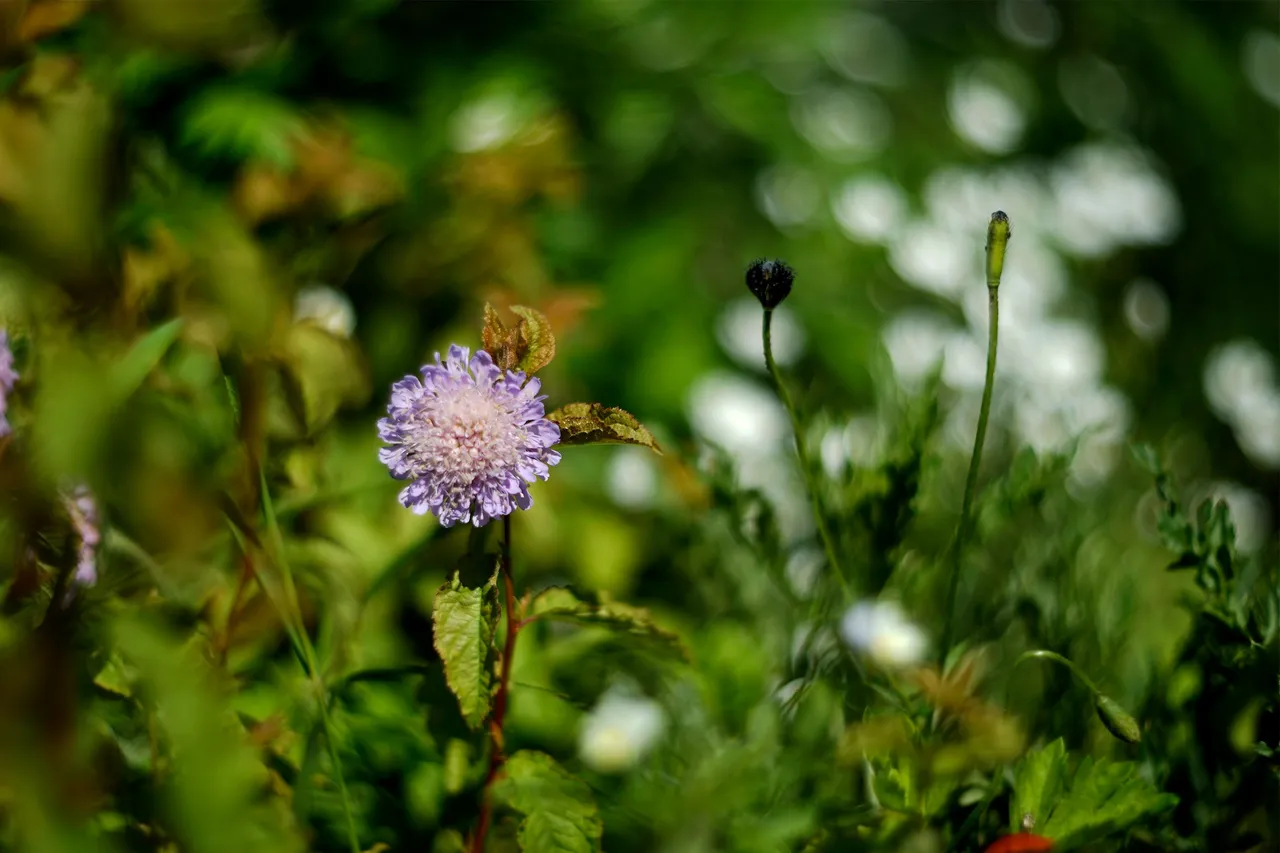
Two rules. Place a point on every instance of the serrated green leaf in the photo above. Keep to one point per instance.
(1037, 782)
(564, 604)
(1104, 797)
(242, 124)
(560, 814)
(537, 344)
(593, 423)
(464, 621)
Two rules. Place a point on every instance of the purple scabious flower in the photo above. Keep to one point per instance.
(83, 509)
(470, 437)
(8, 378)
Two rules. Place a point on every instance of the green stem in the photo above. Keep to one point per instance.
(971, 481)
(1057, 658)
(312, 664)
(806, 469)
(998, 233)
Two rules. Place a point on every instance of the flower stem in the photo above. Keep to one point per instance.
(497, 756)
(806, 469)
(1057, 658)
(311, 662)
(998, 233)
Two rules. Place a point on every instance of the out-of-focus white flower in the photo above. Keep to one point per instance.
(738, 331)
(882, 632)
(327, 308)
(742, 416)
(619, 731)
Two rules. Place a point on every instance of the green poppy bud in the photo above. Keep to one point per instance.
(998, 233)
(1117, 720)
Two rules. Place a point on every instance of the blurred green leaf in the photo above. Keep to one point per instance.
(320, 373)
(131, 371)
(217, 791)
(240, 123)
(563, 604)
(560, 814)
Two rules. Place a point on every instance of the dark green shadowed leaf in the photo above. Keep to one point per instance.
(464, 623)
(593, 423)
(561, 603)
(560, 814)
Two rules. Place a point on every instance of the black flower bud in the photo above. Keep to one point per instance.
(770, 281)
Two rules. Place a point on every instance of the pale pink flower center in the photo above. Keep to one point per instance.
(467, 433)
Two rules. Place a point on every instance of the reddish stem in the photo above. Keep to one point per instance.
(497, 756)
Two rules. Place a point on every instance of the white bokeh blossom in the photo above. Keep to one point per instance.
(327, 308)
(619, 731)
(880, 631)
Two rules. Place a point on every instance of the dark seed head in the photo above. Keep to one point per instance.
(770, 281)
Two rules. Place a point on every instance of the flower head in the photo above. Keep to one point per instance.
(880, 630)
(770, 281)
(83, 510)
(619, 731)
(469, 437)
(8, 378)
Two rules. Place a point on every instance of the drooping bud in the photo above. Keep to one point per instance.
(998, 233)
(1117, 720)
(770, 281)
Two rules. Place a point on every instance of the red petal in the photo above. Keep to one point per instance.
(1023, 842)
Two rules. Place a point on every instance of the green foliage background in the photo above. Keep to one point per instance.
(172, 174)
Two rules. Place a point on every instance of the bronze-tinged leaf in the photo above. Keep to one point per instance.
(592, 423)
(499, 341)
(537, 345)
(494, 332)
(45, 17)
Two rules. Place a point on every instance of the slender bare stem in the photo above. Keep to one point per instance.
(1043, 654)
(998, 233)
(806, 469)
